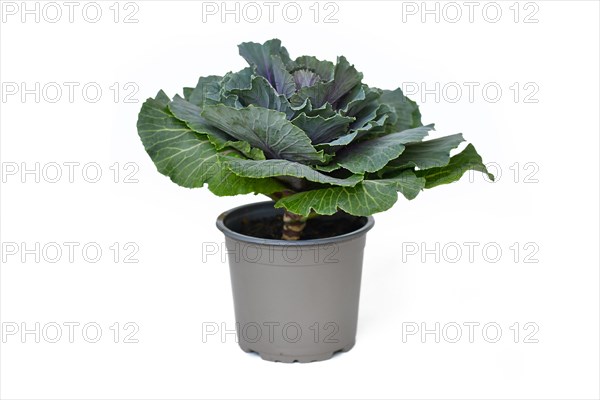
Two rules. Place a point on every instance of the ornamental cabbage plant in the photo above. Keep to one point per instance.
(307, 133)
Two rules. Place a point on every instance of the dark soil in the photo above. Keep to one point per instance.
(316, 228)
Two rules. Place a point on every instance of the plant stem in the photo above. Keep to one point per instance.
(293, 224)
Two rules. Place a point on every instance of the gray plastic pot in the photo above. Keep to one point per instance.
(294, 300)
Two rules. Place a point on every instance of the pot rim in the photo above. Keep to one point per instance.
(278, 242)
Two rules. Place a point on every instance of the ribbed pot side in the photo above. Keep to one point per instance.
(294, 301)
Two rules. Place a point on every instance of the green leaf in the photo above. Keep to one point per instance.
(244, 148)
(328, 167)
(325, 111)
(207, 91)
(187, 92)
(227, 183)
(429, 154)
(316, 94)
(324, 69)
(385, 110)
(238, 80)
(283, 81)
(341, 141)
(365, 109)
(321, 129)
(258, 54)
(345, 78)
(262, 94)
(190, 114)
(407, 112)
(372, 155)
(353, 97)
(270, 60)
(373, 125)
(187, 157)
(405, 182)
(265, 129)
(366, 198)
(468, 159)
(304, 78)
(371, 116)
(274, 168)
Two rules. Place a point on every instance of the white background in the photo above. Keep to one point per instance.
(551, 206)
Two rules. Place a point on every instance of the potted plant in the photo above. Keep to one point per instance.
(329, 151)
